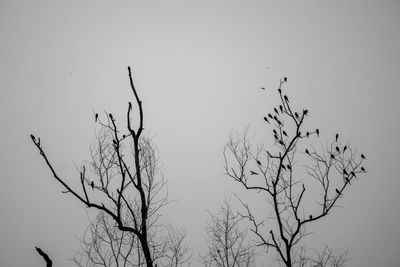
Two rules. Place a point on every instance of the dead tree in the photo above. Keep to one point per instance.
(122, 176)
(288, 186)
(227, 243)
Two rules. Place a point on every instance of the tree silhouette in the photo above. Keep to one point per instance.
(227, 243)
(290, 188)
(127, 174)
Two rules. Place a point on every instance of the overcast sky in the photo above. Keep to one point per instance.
(198, 66)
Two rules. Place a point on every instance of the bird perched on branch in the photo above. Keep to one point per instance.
(92, 185)
(336, 137)
(332, 156)
(258, 162)
(281, 108)
(253, 173)
(317, 131)
(362, 156)
(96, 116)
(344, 148)
(286, 98)
(305, 112)
(337, 149)
(285, 79)
(284, 133)
(362, 168)
(338, 192)
(307, 152)
(276, 111)
(296, 115)
(265, 118)
(279, 90)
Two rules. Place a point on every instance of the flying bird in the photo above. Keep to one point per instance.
(253, 173)
(317, 131)
(337, 191)
(265, 118)
(362, 156)
(92, 185)
(96, 116)
(336, 137)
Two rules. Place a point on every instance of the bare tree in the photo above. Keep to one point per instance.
(326, 257)
(227, 242)
(177, 251)
(122, 177)
(298, 199)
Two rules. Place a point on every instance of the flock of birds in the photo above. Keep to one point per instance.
(284, 108)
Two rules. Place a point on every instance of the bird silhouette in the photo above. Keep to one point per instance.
(286, 98)
(353, 174)
(308, 153)
(344, 148)
(111, 116)
(281, 142)
(265, 118)
(274, 131)
(332, 156)
(305, 112)
(362, 168)
(280, 91)
(270, 116)
(285, 79)
(283, 167)
(362, 156)
(96, 116)
(276, 111)
(337, 137)
(317, 131)
(281, 108)
(337, 191)
(253, 173)
(337, 149)
(92, 185)
(347, 180)
(296, 115)
(258, 162)
(310, 217)
(263, 88)
(33, 137)
(345, 172)
(308, 134)
(284, 133)
(289, 167)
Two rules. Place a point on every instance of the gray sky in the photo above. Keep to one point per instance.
(198, 66)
